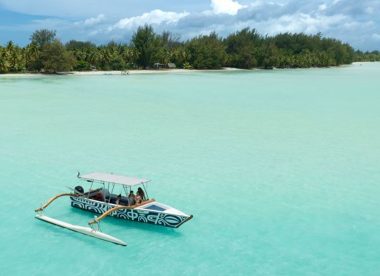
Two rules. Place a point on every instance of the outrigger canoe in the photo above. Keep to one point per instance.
(112, 195)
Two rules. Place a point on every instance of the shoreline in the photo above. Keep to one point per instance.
(123, 72)
(150, 71)
(160, 71)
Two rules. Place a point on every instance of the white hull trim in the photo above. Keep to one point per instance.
(83, 230)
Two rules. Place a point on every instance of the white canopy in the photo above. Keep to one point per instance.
(113, 178)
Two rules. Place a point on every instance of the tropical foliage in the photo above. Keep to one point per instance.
(147, 49)
(367, 56)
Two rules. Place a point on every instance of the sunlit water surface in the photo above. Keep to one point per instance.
(279, 168)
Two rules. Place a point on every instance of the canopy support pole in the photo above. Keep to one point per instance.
(146, 193)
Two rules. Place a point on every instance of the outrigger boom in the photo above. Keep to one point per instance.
(76, 228)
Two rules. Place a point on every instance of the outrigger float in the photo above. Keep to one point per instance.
(101, 198)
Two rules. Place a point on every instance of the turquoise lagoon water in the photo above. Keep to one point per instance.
(279, 168)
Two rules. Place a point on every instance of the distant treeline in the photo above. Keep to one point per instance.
(367, 56)
(147, 49)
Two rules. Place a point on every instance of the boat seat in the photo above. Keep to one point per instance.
(112, 199)
(124, 201)
(91, 193)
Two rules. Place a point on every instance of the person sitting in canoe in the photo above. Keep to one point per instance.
(131, 199)
(140, 196)
(118, 199)
(99, 196)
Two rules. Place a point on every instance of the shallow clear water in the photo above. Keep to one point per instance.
(279, 168)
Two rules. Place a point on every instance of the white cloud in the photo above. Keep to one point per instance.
(376, 37)
(230, 7)
(301, 22)
(322, 7)
(154, 17)
(94, 20)
(369, 10)
(89, 8)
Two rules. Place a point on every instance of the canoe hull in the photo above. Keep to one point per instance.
(138, 215)
(80, 229)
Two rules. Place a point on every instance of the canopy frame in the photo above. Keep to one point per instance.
(126, 181)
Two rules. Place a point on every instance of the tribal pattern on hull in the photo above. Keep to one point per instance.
(146, 216)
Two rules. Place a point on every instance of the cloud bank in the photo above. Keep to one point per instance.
(355, 22)
(155, 17)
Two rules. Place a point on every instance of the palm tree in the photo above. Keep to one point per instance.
(15, 57)
(4, 62)
(32, 56)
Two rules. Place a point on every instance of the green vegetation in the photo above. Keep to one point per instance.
(147, 45)
(367, 56)
(55, 58)
(147, 49)
(206, 52)
(45, 53)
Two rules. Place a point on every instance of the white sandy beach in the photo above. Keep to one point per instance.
(150, 71)
(126, 72)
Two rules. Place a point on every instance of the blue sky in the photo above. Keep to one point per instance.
(354, 21)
